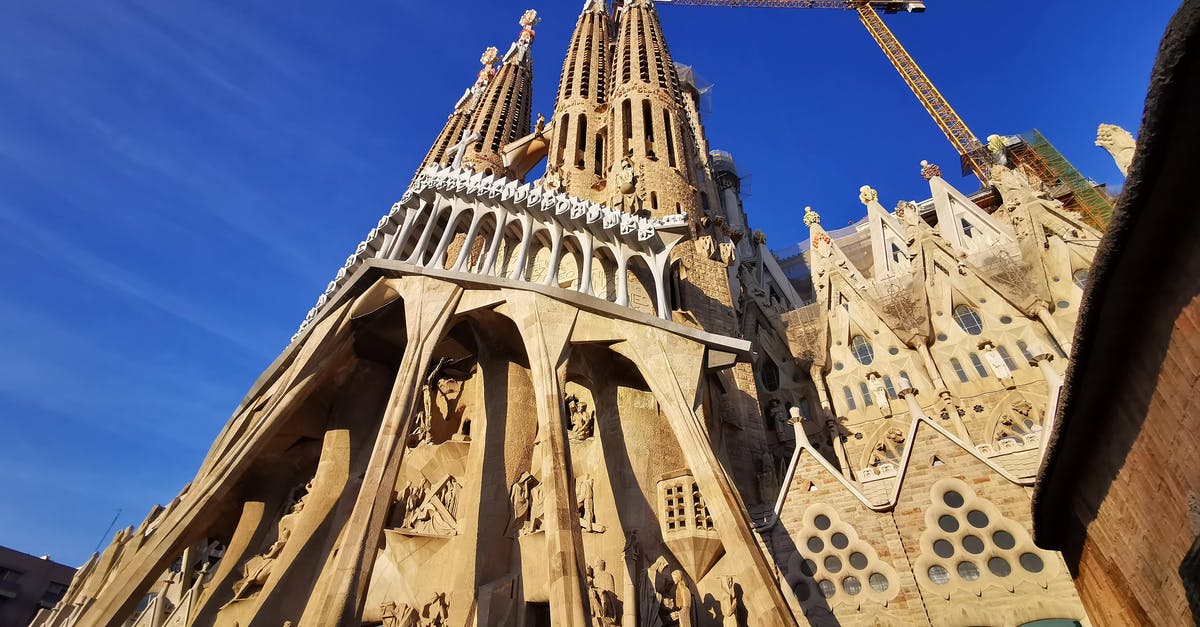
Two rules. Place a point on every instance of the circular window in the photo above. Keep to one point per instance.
(815, 544)
(943, 548)
(1032, 563)
(770, 376)
(827, 588)
(938, 574)
(948, 523)
(968, 320)
(833, 564)
(821, 521)
(999, 567)
(879, 582)
(893, 351)
(973, 544)
(1062, 304)
(942, 337)
(858, 560)
(1005, 320)
(978, 519)
(808, 567)
(839, 540)
(953, 499)
(851, 585)
(838, 365)
(802, 591)
(968, 571)
(1080, 277)
(1003, 539)
(862, 350)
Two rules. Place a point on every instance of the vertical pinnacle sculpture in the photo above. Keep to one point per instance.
(443, 149)
(504, 110)
(578, 155)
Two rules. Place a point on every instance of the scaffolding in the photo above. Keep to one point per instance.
(1062, 179)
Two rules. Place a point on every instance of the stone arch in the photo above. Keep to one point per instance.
(570, 262)
(640, 285)
(453, 240)
(886, 449)
(537, 260)
(478, 249)
(509, 250)
(604, 273)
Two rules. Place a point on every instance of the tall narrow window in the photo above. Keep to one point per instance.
(653, 201)
(704, 202)
(1024, 348)
(862, 350)
(968, 230)
(1008, 360)
(891, 389)
(983, 373)
(805, 409)
(648, 128)
(562, 138)
(968, 320)
(866, 394)
(626, 128)
(598, 166)
(958, 369)
(581, 141)
(849, 397)
(1080, 277)
(669, 137)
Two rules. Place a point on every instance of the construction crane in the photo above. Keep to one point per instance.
(976, 157)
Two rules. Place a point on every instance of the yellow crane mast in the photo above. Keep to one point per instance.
(975, 156)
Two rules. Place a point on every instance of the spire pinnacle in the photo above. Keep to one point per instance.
(811, 218)
(528, 21)
(929, 170)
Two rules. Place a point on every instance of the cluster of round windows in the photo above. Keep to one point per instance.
(972, 545)
(850, 575)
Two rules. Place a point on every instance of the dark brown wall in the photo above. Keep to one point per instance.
(37, 574)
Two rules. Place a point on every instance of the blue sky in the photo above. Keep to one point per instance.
(179, 180)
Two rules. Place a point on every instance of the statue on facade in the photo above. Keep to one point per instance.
(606, 592)
(582, 421)
(880, 393)
(1119, 143)
(585, 495)
(552, 179)
(732, 606)
(394, 615)
(783, 423)
(445, 379)
(627, 196)
(768, 482)
(679, 603)
(521, 499)
(1019, 192)
(910, 220)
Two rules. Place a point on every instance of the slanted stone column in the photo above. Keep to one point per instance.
(1048, 321)
(909, 394)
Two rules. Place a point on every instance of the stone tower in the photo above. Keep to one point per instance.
(596, 398)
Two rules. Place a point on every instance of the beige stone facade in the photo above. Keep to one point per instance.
(597, 399)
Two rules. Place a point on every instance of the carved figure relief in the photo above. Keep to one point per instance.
(585, 495)
(602, 596)
(678, 604)
(257, 570)
(525, 498)
(768, 483)
(429, 509)
(444, 381)
(783, 425)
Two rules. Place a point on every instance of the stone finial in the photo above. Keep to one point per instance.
(866, 195)
(528, 21)
(811, 218)
(488, 59)
(929, 170)
(1119, 143)
(759, 237)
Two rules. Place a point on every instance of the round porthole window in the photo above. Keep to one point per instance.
(821, 521)
(978, 519)
(968, 571)
(858, 560)
(802, 591)
(938, 574)
(851, 585)
(953, 499)
(815, 544)
(943, 548)
(1031, 562)
(839, 540)
(808, 567)
(1003, 539)
(948, 523)
(879, 582)
(827, 588)
(833, 564)
(999, 567)
(973, 544)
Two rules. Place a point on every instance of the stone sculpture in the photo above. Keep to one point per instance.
(393, 615)
(606, 587)
(429, 510)
(521, 497)
(585, 495)
(436, 612)
(582, 421)
(1119, 143)
(679, 604)
(732, 607)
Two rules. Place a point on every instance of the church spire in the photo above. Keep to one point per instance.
(648, 123)
(577, 154)
(503, 113)
(442, 151)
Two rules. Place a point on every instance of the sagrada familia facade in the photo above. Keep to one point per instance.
(596, 398)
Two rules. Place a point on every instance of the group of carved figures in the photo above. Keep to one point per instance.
(428, 509)
(434, 613)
